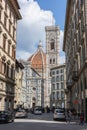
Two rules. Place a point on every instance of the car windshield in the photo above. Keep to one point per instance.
(4, 112)
(38, 109)
(60, 111)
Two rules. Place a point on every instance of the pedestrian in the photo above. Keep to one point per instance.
(69, 116)
(81, 119)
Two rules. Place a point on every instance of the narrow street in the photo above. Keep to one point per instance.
(41, 122)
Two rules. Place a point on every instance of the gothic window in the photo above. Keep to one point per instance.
(5, 19)
(4, 42)
(50, 61)
(52, 44)
(53, 61)
(0, 66)
(0, 14)
(10, 26)
(13, 52)
(8, 48)
(3, 67)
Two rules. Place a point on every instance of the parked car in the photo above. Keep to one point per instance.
(6, 116)
(37, 111)
(59, 114)
(21, 114)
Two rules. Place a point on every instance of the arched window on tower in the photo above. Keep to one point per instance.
(50, 61)
(54, 61)
(52, 44)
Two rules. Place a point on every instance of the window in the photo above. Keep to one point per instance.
(57, 78)
(53, 61)
(57, 95)
(8, 48)
(12, 72)
(10, 26)
(10, 14)
(53, 72)
(6, 5)
(61, 70)
(53, 95)
(0, 14)
(57, 85)
(13, 52)
(7, 74)
(13, 33)
(53, 86)
(57, 72)
(62, 85)
(61, 77)
(4, 42)
(0, 66)
(53, 79)
(62, 94)
(5, 19)
(50, 61)
(52, 44)
(3, 67)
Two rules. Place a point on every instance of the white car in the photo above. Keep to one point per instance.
(59, 114)
(21, 114)
(37, 111)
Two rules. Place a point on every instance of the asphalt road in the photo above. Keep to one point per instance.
(41, 122)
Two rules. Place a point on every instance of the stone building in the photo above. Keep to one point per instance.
(9, 14)
(58, 81)
(75, 47)
(19, 85)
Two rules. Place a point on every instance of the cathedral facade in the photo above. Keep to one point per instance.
(42, 62)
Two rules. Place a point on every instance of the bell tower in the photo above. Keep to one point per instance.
(52, 45)
(52, 54)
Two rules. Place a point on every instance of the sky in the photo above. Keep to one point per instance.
(36, 14)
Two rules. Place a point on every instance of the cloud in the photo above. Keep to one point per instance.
(31, 28)
(62, 54)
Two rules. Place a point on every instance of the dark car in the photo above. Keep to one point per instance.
(6, 116)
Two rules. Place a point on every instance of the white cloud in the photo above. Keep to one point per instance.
(61, 39)
(21, 54)
(62, 54)
(31, 28)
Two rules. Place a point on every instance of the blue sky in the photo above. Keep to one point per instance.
(58, 7)
(36, 14)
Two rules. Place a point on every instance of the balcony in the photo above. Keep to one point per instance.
(75, 76)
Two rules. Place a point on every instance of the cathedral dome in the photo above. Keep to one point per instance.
(38, 59)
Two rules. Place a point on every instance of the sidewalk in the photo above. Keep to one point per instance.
(76, 120)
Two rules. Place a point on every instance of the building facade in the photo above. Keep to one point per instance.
(9, 14)
(52, 56)
(75, 47)
(33, 86)
(58, 81)
(19, 83)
